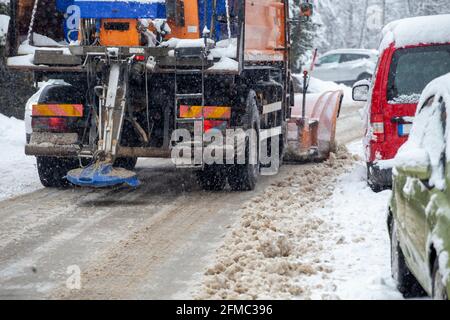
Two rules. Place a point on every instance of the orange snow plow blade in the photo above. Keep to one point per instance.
(313, 138)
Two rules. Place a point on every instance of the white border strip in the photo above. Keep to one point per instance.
(268, 133)
(268, 108)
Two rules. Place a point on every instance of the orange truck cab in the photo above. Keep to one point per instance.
(413, 52)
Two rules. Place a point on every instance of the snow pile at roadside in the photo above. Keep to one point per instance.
(271, 253)
(359, 251)
(319, 234)
(18, 174)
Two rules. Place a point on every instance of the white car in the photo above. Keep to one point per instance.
(346, 66)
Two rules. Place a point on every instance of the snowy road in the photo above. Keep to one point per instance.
(157, 241)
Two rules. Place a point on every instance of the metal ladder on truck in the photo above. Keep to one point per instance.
(195, 118)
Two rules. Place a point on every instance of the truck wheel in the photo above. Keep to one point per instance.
(52, 171)
(407, 284)
(439, 289)
(243, 177)
(126, 163)
(212, 178)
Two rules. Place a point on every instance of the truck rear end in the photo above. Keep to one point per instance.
(200, 68)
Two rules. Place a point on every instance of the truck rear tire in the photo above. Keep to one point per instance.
(212, 178)
(243, 177)
(52, 171)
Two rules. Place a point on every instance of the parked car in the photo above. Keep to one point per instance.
(419, 213)
(413, 52)
(346, 65)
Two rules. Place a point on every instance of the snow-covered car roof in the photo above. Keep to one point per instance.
(416, 31)
(352, 51)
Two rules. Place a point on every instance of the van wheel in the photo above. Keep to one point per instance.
(439, 289)
(243, 177)
(52, 171)
(212, 178)
(372, 179)
(407, 284)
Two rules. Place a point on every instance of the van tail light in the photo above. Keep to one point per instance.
(52, 124)
(377, 125)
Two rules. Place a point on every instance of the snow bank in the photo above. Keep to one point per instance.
(415, 31)
(272, 252)
(319, 233)
(359, 251)
(18, 174)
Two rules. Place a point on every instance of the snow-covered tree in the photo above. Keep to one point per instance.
(358, 23)
(4, 22)
(306, 35)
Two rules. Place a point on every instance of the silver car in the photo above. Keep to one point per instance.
(346, 66)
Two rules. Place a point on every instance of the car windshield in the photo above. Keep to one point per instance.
(413, 68)
(334, 58)
(353, 57)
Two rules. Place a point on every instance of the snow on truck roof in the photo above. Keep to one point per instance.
(416, 31)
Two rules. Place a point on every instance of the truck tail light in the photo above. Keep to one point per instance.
(377, 125)
(139, 58)
(220, 125)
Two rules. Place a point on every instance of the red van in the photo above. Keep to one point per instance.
(413, 52)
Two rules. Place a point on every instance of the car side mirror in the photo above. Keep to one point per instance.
(414, 163)
(361, 90)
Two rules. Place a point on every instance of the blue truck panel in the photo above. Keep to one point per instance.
(220, 27)
(91, 9)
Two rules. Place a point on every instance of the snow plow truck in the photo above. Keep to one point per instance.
(206, 83)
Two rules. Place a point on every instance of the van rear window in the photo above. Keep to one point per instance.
(412, 69)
